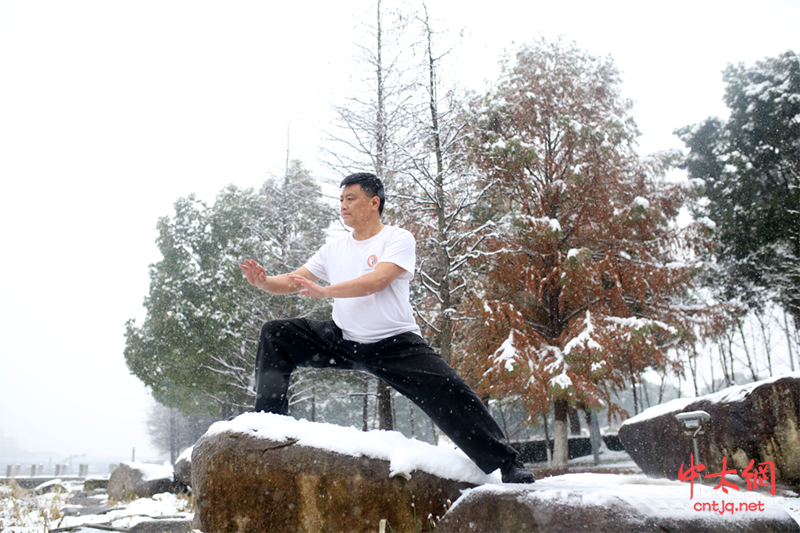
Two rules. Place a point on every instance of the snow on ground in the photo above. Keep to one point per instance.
(607, 458)
(159, 506)
(404, 455)
(23, 511)
(657, 498)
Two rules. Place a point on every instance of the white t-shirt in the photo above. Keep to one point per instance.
(368, 319)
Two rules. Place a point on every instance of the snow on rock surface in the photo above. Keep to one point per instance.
(613, 503)
(404, 455)
(735, 393)
(183, 467)
(186, 455)
(673, 406)
(151, 471)
(275, 473)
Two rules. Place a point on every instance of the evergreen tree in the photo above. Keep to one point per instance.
(589, 284)
(750, 165)
(195, 349)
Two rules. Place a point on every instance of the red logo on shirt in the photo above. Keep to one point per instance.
(372, 260)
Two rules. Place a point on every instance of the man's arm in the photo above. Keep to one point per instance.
(370, 283)
(283, 284)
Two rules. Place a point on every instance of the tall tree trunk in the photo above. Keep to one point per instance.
(365, 403)
(661, 388)
(443, 274)
(713, 387)
(767, 343)
(384, 397)
(746, 350)
(574, 421)
(788, 339)
(385, 418)
(380, 118)
(634, 391)
(560, 438)
(547, 438)
(594, 431)
(173, 436)
(313, 399)
(724, 365)
(693, 368)
(646, 395)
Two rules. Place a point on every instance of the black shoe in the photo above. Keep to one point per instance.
(515, 472)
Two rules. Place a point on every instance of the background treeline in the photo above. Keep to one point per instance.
(558, 269)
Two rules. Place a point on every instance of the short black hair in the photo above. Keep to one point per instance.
(370, 184)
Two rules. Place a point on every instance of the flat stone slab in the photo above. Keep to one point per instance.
(87, 499)
(162, 526)
(614, 504)
(81, 510)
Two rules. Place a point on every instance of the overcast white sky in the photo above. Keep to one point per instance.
(111, 110)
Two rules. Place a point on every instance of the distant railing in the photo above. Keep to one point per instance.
(57, 470)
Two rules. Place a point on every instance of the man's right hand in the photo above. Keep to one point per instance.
(282, 284)
(255, 273)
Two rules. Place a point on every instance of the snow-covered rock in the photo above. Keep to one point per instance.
(758, 422)
(610, 503)
(264, 472)
(183, 467)
(142, 480)
(49, 486)
(93, 483)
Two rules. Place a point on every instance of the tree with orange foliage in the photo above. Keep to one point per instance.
(590, 282)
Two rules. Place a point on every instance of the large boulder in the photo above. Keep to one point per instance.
(604, 503)
(262, 472)
(141, 480)
(183, 467)
(759, 422)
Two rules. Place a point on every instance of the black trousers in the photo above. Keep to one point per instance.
(404, 361)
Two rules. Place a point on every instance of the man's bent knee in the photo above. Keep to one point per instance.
(274, 328)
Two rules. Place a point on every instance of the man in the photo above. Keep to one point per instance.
(373, 330)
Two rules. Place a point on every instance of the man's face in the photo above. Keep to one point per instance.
(357, 208)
